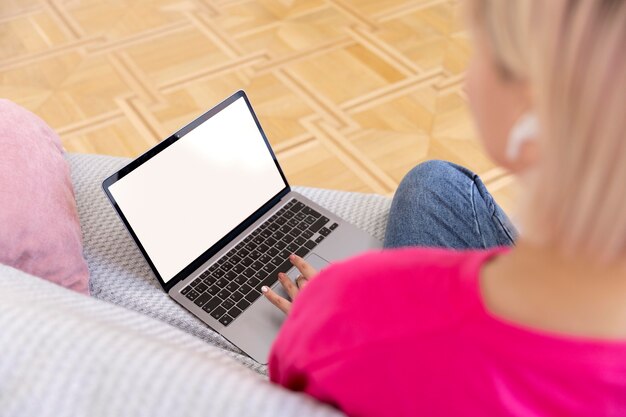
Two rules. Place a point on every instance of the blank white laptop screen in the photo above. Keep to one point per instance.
(190, 195)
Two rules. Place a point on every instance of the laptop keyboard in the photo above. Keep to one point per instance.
(234, 282)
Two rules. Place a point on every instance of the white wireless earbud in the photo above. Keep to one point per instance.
(524, 130)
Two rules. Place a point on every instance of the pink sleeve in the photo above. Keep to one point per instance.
(357, 314)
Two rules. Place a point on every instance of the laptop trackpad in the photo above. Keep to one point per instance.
(314, 260)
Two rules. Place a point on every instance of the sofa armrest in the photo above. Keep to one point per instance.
(67, 354)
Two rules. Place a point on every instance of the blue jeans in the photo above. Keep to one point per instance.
(440, 204)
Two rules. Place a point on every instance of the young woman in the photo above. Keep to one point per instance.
(478, 327)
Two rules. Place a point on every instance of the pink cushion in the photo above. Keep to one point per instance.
(39, 229)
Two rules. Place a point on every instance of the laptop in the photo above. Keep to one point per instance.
(215, 218)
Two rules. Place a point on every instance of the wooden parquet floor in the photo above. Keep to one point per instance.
(352, 93)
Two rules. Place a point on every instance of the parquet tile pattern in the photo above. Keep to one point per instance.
(352, 93)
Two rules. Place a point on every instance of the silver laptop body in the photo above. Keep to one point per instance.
(215, 218)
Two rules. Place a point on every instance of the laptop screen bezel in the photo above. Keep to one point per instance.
(210, 252)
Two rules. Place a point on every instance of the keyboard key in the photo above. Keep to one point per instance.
(218, 273)
(268, 269)
(265, 258)
(227, 304)
(224, 294)
(235, 259)
(254, 281)
(200, 301)
(196, 282)
(302, 252)
(234, 312)
(324, 231)
(272, 252)
(309, 211)
(284, 254)
(263, 248)
(334, 226)
(284, 267)
(248, 273)
(300, 216)
(319, 223)
(226, 319)
(269, 281)
(217, 313)
(252, 296)
(310, 244)
(222, 282)
(243, 252)
(266, 233)
(185, 290)
(278, 235)
(230, 275)
(243, 304)
(309, 220)
(280, 245)
(239, 268)
(257, 265)
(292, 247)
(210, 281)
(212, 304)
(236, 296)
(245, 289)
(232, 286)
(242, 279)
(319, 239)
(192, 295)
(277, 261)
(300, 241)
(213, 290)
(201, 287)
(255, 254)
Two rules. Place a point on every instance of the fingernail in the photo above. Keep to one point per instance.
(265, 289)
(292, 256)
(281, 275)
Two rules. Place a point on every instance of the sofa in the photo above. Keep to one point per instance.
(128, 349)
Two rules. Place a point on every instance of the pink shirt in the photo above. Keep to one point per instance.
(405, 333)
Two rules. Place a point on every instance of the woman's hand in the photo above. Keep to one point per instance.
(307, 272)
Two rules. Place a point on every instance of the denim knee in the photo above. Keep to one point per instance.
(433, 177)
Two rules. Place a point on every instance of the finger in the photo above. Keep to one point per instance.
(276, 299)
(288, 285)
(301, 282)
(303, 266)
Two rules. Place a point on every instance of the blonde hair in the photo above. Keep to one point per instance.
(573, 55)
